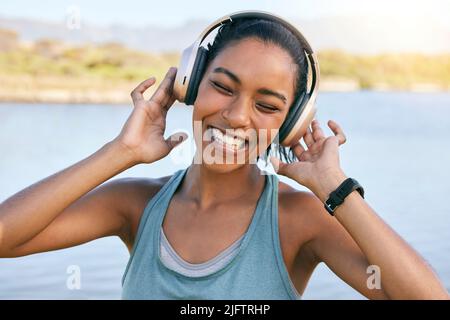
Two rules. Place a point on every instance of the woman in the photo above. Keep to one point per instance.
(215, 230)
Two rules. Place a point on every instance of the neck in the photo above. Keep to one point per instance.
(207, 188)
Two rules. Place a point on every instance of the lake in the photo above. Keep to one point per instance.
(398, 149)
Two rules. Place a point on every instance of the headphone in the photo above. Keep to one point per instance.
(193, 62)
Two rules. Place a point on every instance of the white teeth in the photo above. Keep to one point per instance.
(231, 142)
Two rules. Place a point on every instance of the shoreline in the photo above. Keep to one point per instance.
(81, 100)
(69, 91)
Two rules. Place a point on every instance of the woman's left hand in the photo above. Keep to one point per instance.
(319, 162)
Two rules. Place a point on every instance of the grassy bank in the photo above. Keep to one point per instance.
(51, 71)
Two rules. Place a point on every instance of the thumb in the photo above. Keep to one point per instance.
(279, 166)
(176, 139)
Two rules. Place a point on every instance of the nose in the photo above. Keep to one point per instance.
(237, 113)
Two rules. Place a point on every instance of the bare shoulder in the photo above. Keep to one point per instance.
(304, 218)
(299, 209)
(135, 193)
(301, 217)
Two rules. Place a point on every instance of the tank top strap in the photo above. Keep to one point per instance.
(267, 236)
(154, 208)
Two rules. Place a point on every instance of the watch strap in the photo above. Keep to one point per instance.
(338, 196)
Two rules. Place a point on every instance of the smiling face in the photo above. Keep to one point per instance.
(246, 92)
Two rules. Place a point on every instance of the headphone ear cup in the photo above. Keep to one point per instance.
(292, 117)
(297, 121)
(196, 76)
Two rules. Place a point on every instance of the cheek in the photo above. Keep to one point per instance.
(208, 101)
(271, 125)
(268, 134)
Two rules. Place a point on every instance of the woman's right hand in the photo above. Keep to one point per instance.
(143, 132)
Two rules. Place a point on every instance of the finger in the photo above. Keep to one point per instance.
(176, 139)
(331, 143)
(338, 132)
(165, 89)
(298, 150)
(170, 102)
(278, 165)
(309, 140)
(286, 169)
(317, 130)
(137, 93)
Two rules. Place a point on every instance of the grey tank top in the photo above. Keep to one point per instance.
(173, 261)
(257, 270)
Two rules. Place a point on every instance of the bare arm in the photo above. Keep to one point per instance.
(356, 237)
(404, 273)
(332, 244)
(63, 210)
(56, 212)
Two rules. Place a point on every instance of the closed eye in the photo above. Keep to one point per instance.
(266, 107)
(221, 88)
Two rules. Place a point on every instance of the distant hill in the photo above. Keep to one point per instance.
(47, 62)
(361, 35)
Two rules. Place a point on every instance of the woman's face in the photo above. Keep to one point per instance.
(242, 101)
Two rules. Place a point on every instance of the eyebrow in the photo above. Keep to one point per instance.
(264, 91)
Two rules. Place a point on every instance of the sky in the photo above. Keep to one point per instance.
(172, 13)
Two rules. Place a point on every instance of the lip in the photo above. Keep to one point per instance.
(224, 132)
(246, 143)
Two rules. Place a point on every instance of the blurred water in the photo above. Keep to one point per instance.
(397, 148)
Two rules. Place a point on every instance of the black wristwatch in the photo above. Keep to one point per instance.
(337, 197)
